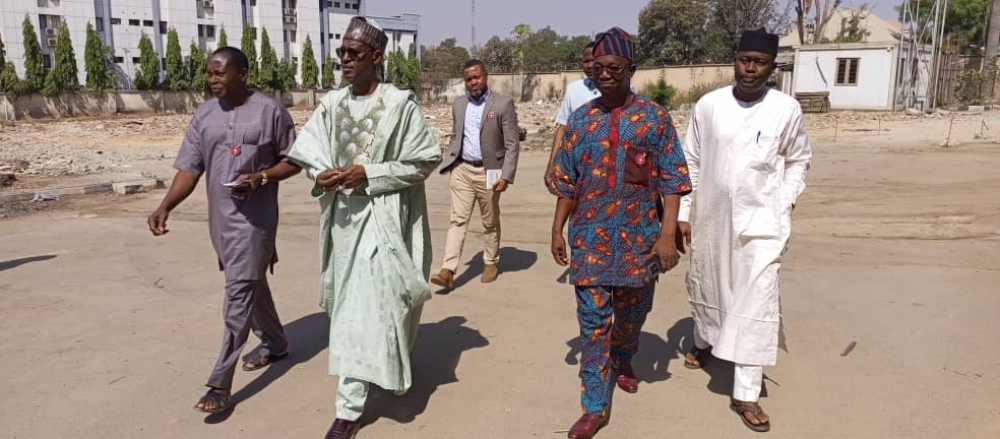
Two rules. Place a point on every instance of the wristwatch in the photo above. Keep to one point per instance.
(263, 178)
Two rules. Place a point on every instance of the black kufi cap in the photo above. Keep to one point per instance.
(758, 40)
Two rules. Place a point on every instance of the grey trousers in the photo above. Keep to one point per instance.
(248, 306)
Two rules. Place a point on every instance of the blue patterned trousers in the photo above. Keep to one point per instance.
(611, 320)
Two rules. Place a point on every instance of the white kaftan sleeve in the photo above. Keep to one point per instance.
(692, 153)
(798, 154)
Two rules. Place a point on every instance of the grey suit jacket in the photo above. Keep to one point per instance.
(498, 136)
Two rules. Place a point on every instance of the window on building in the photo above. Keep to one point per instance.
(253, 32)
(42, 21)
(295, 60)
(336, 4)
(253, 2)
(43, 3)
(163, 27)
(290, 4)
(201, 30)
(329, 3)
(46, 61)
(210, 31)
(291, 36)
(147, 23)
(133, 22)
(135, 60)
(115, 21)
(119, 60)
(338, 36)
(354, 6)
(331, 36)
(847, 71)
(99, 24)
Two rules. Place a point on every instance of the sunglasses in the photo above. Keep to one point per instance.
(613, 69)
(345, 53)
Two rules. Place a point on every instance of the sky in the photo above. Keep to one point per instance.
(442, 19)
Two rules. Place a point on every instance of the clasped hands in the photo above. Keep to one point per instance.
(347, 177)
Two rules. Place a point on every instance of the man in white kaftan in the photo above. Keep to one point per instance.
(369, 150)
(747, 154)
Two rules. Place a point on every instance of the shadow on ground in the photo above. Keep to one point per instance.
(511, 260)
(438, 349)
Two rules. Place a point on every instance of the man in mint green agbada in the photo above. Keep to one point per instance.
(369, 150)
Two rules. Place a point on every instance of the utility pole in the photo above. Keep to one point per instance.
(992, 41)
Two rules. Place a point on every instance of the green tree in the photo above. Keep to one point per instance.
(521, 33)
(499, 55)
(147, 76)
(9, 82)
(328, 77)
(95, 56)
(249, 48)
(673, 32)
(270, 75)
(177, 73)
(445, 59)
(310, 71)
(63, 75)
(34, 66)
(967, 22)
(285, 73)
(223, 41)
(197, 64)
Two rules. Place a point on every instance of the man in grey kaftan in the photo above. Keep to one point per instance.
(240, 136)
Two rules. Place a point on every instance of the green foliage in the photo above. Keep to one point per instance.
(673, 32)
(310, 70)
(223, 41)
(177, 72)
(147, 76)
(967, 22)
(34, 66)
(694, 94)
(445, 59)
(662, 93)
(9, 82)
(270, 74)
(100, 77)
(403, 71)
(63, 75)
(250, 49)
(196, 66)
(286, 75)
(328, 77)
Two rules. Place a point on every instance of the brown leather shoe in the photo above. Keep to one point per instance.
(627, 380)
(490, 274)
(343, 429)
(444, 278)
(586, 427)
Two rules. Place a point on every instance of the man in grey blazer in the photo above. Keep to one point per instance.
(482, 160)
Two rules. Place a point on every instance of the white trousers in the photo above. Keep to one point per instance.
(747, 380)
(351, 397)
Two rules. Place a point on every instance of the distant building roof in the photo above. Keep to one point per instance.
(879, 29)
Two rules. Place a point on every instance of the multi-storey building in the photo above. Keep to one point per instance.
(120, 24)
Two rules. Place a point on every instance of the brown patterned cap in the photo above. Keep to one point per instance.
(361, 30)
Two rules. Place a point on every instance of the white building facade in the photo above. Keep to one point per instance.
(121, 23)
(862, 76)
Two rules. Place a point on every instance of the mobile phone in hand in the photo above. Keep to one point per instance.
(241, 186)
(652, 265)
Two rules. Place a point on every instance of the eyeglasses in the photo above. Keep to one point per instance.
(613, 69)
(354, 54)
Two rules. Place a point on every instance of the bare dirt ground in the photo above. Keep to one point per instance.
(889, 300)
